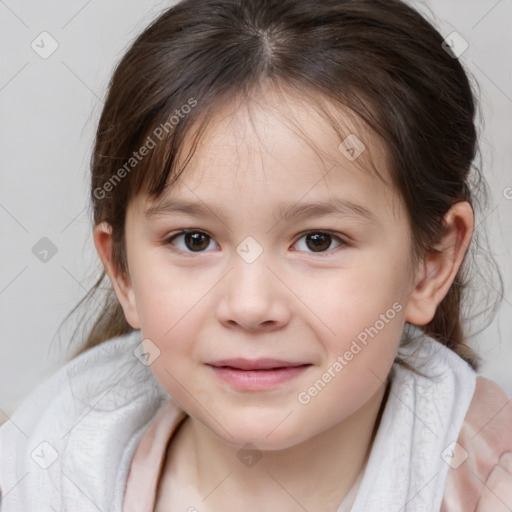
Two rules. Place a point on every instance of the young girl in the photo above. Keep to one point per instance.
(282, 204)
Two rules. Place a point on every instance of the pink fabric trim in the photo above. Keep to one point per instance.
(485, 435)
(147, 462)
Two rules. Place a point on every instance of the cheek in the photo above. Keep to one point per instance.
(169, 317)
(166, 296)
(363, 309)
(350, 299)
(356, 366)
(170, 304)
(175, 368)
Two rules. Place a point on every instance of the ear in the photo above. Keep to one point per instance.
(437, 270)
(122, 283)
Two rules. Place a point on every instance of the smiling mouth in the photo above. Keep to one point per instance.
(265, 364)
(257, 375)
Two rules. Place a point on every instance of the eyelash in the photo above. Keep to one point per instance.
(173, 236)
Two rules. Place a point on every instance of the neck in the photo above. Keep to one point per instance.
(314, 475)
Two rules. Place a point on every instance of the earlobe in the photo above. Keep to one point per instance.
(439, 267)
(121, 283)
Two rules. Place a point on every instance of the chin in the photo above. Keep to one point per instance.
(266, 432)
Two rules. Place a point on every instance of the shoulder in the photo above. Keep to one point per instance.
(485, 436)
(81, 422)
(424, 413)
(104, 378)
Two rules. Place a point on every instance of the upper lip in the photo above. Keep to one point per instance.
(255, 364)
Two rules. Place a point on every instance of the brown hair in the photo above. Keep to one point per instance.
(379, 59)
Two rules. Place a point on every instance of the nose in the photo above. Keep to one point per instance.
(253, 298)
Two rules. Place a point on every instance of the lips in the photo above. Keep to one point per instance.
(256, 364)
(257, 374)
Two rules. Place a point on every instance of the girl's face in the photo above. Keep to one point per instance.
(320, 290)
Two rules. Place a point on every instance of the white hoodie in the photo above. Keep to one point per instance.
(69, 445)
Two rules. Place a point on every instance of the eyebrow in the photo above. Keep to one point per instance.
(334, 206)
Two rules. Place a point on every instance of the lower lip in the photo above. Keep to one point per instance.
(257, 379)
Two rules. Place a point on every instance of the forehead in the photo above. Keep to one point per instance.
(278, 145)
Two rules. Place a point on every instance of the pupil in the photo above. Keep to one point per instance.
(196, 241)
(320, 241)
(317, 242)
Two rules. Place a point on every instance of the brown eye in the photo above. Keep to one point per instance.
(197, 241)
(319, 242)
(190, 241)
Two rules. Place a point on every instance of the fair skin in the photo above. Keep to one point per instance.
(291, 303)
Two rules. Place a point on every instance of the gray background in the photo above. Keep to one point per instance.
(48, 112)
